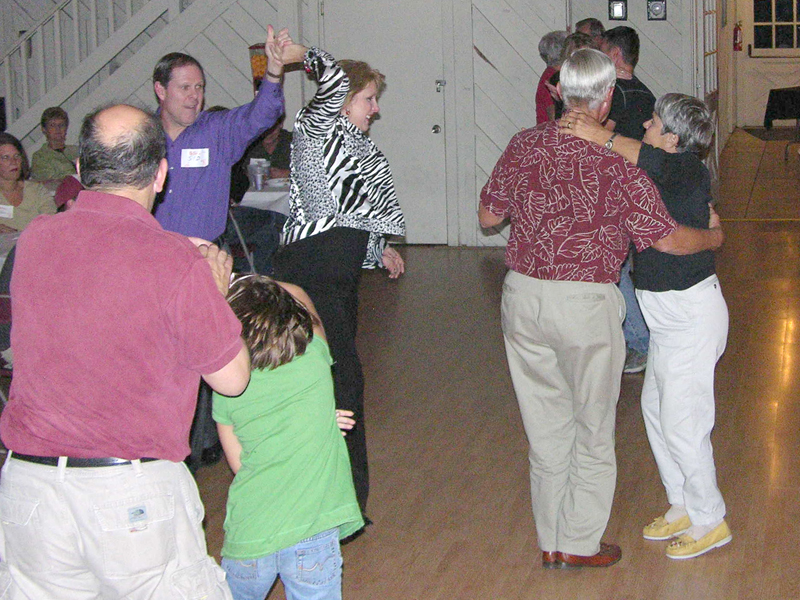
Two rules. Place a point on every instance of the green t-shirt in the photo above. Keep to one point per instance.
(295, 479)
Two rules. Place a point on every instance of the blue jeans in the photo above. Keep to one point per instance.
(637, 336)
(309, 570)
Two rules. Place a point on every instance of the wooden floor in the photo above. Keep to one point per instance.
(450, 497)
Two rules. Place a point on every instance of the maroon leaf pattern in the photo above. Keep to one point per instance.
(574, 207)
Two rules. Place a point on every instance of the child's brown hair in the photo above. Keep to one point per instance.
(275, 326)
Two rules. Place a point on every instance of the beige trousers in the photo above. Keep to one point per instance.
(565, 353)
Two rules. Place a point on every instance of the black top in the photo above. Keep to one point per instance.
(631, 105)
(278, 159)
(685, 186)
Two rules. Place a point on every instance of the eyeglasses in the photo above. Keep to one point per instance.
(11, 157)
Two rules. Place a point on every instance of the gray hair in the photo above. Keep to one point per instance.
(688, 118)
(551, 46)
(586, 78)
(129, 160)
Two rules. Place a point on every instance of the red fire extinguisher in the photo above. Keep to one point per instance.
(737, 37)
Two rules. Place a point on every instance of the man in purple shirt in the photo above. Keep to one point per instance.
(201, 149)
(201, 146)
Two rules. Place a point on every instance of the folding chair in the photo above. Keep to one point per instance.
(247, 253)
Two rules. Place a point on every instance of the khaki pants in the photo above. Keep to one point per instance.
(565, 353)
(130, 531)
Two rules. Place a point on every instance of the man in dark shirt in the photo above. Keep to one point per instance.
(260, 229)
(633, 102)
(275, 145)
(631, 105)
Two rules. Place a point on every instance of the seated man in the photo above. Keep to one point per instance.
(54, 160)
(275, 145)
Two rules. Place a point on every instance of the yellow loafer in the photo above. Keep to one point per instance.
(687, 547)
(660, 529)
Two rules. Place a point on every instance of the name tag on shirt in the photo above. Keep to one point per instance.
(194, 157)
(6, 212)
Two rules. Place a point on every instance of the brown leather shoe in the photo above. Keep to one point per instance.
(609, 554)
(550, 560)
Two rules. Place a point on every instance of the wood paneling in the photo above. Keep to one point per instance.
(507, 68)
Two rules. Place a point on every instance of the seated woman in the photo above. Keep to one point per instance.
(682, 303)
(55, 159)
(20, 200)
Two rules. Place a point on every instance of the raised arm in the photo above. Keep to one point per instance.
(590, 129)
(274, 49)
(318, 117)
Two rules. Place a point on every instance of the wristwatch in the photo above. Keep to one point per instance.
(610, 143)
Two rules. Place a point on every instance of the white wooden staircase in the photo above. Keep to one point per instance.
(89, 52)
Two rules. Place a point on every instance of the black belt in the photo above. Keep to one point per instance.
(52, 461)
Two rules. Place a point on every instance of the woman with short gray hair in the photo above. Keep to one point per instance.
(551, 47)
(682, 303)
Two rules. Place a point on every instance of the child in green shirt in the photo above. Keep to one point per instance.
(292, 498)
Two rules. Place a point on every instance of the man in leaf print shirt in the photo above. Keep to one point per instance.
(574, 208)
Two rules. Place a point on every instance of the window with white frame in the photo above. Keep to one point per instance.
(776, 27)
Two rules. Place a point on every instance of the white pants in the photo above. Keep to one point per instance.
(688, 333)
(130, 531)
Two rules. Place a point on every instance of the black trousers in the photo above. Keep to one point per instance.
(328, 267)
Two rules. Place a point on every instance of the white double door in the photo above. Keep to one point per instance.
(403, 40)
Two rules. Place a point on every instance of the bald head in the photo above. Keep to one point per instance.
(120, 148)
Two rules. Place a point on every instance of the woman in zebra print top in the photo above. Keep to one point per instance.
(343, 204)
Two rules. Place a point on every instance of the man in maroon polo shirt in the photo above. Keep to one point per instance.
(115, 321)
(574, 209)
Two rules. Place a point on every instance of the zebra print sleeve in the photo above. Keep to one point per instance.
(318, 117)
(375, 247)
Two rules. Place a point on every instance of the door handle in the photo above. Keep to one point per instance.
(436, 129)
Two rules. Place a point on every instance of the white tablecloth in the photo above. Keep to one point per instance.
(275, 197)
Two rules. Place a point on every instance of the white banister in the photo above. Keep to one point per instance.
(23, 53)
(59, 67)
(92, 27)
(65, 57)
(42, 73)
(76, 30)
(7, 80)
